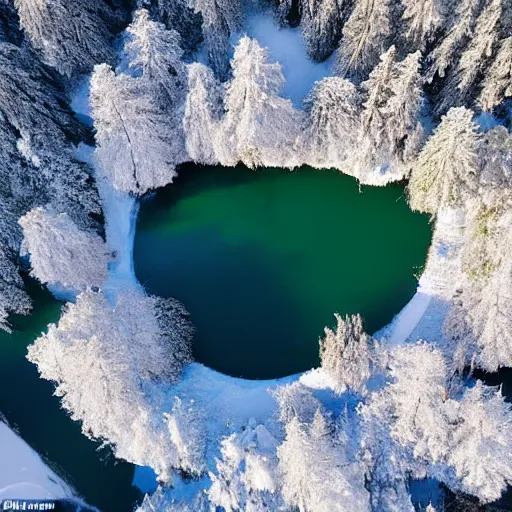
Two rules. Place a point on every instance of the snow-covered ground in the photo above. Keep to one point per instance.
(422, 318)
(24, 475)
(288, 48)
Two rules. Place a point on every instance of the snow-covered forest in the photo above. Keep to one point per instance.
(100, 103)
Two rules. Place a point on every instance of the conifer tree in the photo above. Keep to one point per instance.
(321, 24)
(259, 127)
(365, 37)
(135, 149)
(203, 112)
(156, 54)
(221, 19)
(497, 82)
(446, 168)
(333, 109)
(71, 36)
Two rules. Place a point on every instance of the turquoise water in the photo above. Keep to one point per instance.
(262, 260)
(31, 409)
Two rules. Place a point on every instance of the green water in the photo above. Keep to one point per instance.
(30, 407)
(263, 259)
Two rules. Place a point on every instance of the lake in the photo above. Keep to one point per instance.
(263, 259)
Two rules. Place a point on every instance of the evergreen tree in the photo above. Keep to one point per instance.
(156, 54)
(260, 127)
(365, 37)
(497, 82)
(333, 110)
(422, 19)
(321, 23)
(61, 253)
(71, 36)
(135, 149)
(203, 113)
(461, 26)
(177, 15)
(104, 356)
(462, 78)
(318, 473)
(346, 355)
(221, 19)
(446, 169)
(391, 129)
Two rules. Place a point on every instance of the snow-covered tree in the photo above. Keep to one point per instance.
(260, 127)
(365, 37)
(13, 298)
(318, 472)
(295, 401)
(479, 447)
(179, 16)
(61, 253)
(203, 113)
(497, 82)
(155, 52)
(321, 23)
(446, 168)
(37, 164)
(136, 147)
(162, 500)
(481, 316)
(333, 110)
(245, 477)
(221, 19)
(422, 19)
(462, 78)
(402, 110)
(41, 107)
(346, 354)
(461, 20)
(391, 112)
(186, 425)
(71, 36)
(105, 357)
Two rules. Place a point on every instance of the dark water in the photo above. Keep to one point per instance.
(30, 407)
(263, 259)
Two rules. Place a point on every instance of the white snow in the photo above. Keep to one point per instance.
(425, 312)
(24, 475)
(288, 48)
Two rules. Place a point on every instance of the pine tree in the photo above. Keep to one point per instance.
(61, 253)
(245, 476)
(71, 36)
(422, 19)
(178, 15)
(333, 110)
(463, 77)
(479, 447)
(446, 169)
(346, 355)
(221, 19)
(187, 426)
(365, 37)
(136, 147)
(203, 113)
(462, 25)
(156, 53)
(260, 127)
(318, 472)
(104, 356)
(321, 24)
(391, 129)
(497, 83)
